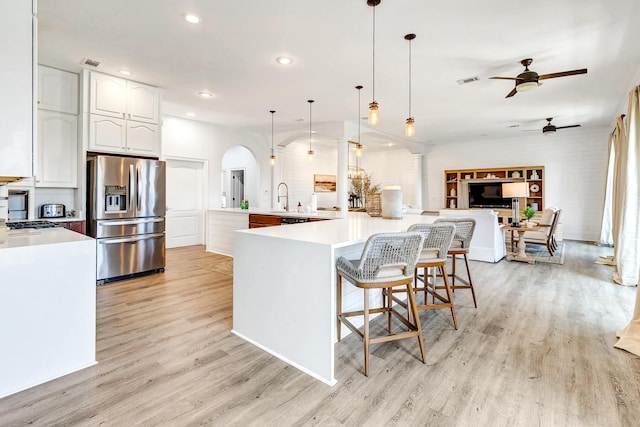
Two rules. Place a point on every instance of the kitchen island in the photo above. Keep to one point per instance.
(223, 222)
(284, 286)
(47, 306)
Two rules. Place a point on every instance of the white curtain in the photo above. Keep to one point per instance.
(606, 231)
(628, 251)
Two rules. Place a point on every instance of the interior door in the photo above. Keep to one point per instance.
(185, 203)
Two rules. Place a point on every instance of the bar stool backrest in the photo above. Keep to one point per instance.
(464, 230)
(390, 254)
(437, 238)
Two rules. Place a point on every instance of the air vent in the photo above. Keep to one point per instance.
(90, 62)
(468, 80)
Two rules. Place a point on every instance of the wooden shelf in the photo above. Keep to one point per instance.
(531, 174)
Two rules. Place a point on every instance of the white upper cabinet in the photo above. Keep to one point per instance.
(108, 96)
(57, 90)
(116, 97)
(143, 103)
(57, 149)
(16, 89)
(124, 116)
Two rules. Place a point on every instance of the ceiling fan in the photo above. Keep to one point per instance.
(528, 79)
(549, 129)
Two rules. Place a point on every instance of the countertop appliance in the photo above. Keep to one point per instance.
(52, 210)
(126, 207)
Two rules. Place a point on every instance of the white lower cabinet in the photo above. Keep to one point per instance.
(110, 134)
(57, 150)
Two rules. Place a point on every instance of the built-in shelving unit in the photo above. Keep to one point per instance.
(454, 181)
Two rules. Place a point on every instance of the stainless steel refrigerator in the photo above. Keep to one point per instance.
(126, 206)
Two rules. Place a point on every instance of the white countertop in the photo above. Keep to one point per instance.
(355, 228)
(42, 236)
(275, 212)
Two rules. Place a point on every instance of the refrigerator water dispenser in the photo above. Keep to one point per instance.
(115, 198)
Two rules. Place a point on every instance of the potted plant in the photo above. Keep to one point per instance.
(529, 212)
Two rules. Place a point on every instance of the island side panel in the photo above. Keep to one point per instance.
(221, 227)
(47, 312)
(283, 300)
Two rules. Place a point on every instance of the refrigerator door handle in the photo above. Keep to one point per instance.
(130, 186)
(130, 222)
(138, 188)
(130, 239)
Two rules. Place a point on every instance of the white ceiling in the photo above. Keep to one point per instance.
(232, 54)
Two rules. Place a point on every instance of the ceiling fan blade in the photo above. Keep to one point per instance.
(505, 78)
(566, 127)
(563, 74)
(513, 92)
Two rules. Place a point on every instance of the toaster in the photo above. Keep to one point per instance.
(52, 210)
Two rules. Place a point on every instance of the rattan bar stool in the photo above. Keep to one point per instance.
(388, 260)
(460, 246)
(437, 240)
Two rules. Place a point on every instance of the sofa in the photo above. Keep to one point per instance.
(487, 243)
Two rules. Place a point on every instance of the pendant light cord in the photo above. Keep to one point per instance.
(410, 78)
(373, 86)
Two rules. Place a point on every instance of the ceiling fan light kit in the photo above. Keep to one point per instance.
(529, 79)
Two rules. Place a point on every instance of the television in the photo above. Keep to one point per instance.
(487, 195)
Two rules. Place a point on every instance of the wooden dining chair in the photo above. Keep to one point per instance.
(388, 260)
(545, 237)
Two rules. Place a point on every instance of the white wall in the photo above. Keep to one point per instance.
(297, 171)
(196, 140)
(393, 167)
(575, 164)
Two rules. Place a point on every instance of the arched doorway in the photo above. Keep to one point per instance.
(240, 173)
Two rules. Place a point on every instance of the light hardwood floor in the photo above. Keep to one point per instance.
(538, 351)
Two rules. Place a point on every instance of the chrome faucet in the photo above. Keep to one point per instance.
(286, 196)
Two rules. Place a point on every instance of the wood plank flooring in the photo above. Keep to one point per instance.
(538, 351)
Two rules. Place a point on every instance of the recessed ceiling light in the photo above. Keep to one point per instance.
(205, 94)
(192, 18)
(190, 114)
(284, 60)
(390, 144)
(124, 72)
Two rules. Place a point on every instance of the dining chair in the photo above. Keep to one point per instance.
(546, 237)
(388, 260)
(460, 246)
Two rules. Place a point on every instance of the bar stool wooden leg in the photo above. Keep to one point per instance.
(473, 293)
(416, 321)
(339, 323)
(449, 295)
(366, 332)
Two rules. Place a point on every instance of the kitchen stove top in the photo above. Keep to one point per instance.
(19, 225)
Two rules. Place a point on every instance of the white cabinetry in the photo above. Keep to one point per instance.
(57, 90)
(16, 89)
(57, 146)
(124, 116)
(57, 149)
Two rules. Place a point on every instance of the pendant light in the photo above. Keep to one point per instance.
(374, 118)
(310, 152)
(358, 145)
(272, 159)
(409, 127)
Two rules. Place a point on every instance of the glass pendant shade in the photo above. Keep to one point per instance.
(358, 150)
(374, 119)
(272, 160)
(310, 154)
(409, 127)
